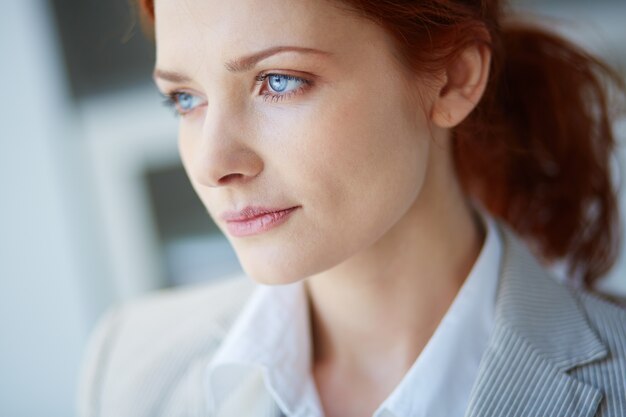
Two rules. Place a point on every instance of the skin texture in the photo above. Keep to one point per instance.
(383, 235)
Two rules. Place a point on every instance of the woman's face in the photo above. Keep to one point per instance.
(322, 119)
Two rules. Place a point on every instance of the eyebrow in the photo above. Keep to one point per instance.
(242, 64)
(248, 62)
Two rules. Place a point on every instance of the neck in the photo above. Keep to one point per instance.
(383, 304)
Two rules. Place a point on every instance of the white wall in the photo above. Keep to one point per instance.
(48, 263)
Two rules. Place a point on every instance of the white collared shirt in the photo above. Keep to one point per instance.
(268, 350)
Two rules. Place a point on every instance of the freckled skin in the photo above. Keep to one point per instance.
(351, 149)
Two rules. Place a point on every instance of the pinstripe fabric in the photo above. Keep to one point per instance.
(555, 351)
(610, 373)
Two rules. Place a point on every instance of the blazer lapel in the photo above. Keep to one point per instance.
(540, 334)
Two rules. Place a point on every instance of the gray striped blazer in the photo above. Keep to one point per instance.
(555, 351)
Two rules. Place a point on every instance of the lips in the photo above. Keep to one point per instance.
(253, 220)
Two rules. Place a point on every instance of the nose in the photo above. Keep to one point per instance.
(223, 155)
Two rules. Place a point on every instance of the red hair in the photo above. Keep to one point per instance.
(536, 151)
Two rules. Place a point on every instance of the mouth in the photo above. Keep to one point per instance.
(255, 220)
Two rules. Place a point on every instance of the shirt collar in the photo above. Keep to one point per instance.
(271, 334)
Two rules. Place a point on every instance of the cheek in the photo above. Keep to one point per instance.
(382, 161)
(186, 150)
(366, 155)
(356, 164)
(184, 147)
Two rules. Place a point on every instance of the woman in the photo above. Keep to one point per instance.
(375, 165)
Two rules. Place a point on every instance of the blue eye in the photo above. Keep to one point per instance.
(186, 101)
(182, 102)
(281, 83)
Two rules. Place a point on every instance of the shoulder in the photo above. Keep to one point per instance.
(607, 315)
(608, 319)
(574, 329)
(176, 310)
(148, 356)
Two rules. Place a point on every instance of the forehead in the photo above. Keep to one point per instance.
(218, 30)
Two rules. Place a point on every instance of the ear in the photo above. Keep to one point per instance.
(465, 80)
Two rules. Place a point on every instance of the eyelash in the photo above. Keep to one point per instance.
(279, 97)
(171, 99)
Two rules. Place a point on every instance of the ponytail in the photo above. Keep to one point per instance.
(537, 150)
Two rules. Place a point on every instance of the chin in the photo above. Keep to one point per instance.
(267, 275)
(277, 271)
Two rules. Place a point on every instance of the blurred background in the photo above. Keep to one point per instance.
(95, 207)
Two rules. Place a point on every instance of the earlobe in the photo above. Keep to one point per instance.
(465, 82)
